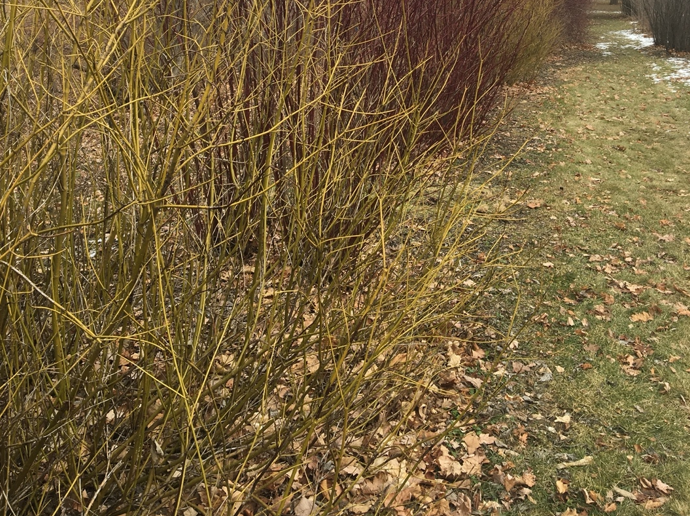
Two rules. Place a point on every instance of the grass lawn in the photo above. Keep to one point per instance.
(604, 372)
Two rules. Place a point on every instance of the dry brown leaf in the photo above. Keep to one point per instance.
(611, 507)
(655, 504)
(569, 512)
(630, 370)
(350, 466)
(588, 498)
(665, 238)
(584, 461)
(440, 508)
(534, 204)
(624, 493)
(662, 487)
(454, 359)
(681, 309)
(360, 508)
(305, 506)
(487, 439)
(528, 479)
(562, 486)
(472, 442)
(463, 506)
(375, 485)
(565, 419)
(473, 465)
(642, 317)
(475, 382)
(508, 482)
(631, 287)
(447, 464)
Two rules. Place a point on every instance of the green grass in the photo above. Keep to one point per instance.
(610, 165)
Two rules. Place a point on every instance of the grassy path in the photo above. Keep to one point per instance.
(603, 374)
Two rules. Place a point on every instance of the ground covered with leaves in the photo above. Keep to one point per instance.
(593, 418)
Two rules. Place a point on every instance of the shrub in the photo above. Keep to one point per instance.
(537, 30)
(230, 231)
(574, 19)
(669, 21)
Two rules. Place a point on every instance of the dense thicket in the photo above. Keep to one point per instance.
(574, 19)
(669, 21)
(228, 231)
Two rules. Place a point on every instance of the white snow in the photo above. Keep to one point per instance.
(680, 72)
(636, 39)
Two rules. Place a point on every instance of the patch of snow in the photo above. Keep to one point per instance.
(680, 74)
(636, 39)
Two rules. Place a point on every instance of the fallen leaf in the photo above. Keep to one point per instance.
(585, 461)
(448, 465)
(548, 265)
(536, 203)
(611, 507)
(565, 419)
(486, 439)
(528, 479)
(590, 497)
(519, 367)
(473, 465)
(665, 238)
(569, 512)
(360, 508)
(642, 317)
(440, 508)
(350, 466)
(463, 505)
(630, 370)
(681, 309)
(304, 507)
(655, 504)
(631, 287)
(562, 486)
(475, 382)
(662, 487)
(624, 493)
(472, 442)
